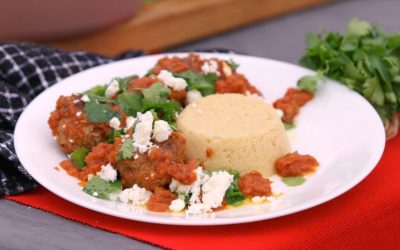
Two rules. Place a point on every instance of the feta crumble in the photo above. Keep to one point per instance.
(112, 89)
(192, 96)
(177, 205)
(210, 66)
(215, 188)
(137, 195)
(107, 173)
(279, 113)
(258, 199)
(143, 130)
(85, 98)
(169, 80)
(226, 69)
(79, 113)
(130, 121)
(161, 131)
(114, 123)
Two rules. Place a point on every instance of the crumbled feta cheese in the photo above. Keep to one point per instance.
(114, 123)
(177, 205)
(226, 69)
(85, 98)
(169, 80)
(95, 194)
(194, 188)
(279, 113)
(79, 113)
(136, 156)
(258, 199)
(130, 121)
(215, 188)
(71, 140)
(137, 195)
(143, 130)
(161, 131)
(107, 173)
(210, 66)
(112, 89)
(196, 209)
(271, 199)
(76, 101)
(192, 96)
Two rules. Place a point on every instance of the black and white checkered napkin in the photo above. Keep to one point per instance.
(25, 71)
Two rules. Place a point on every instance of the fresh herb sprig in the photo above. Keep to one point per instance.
(365, 58)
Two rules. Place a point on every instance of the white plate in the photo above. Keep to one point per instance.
(338, 127)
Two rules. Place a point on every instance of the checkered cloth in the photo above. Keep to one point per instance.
(25, 71)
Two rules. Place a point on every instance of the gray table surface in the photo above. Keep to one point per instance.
(282, 38)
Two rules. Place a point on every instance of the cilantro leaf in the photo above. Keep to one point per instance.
(125, 81)
(99, 90)
(78, 157)
(99, 98)
(115, 134)
(232, 64)
(233, 195)
(100, 188)
(203, 83)
(97, 112)
(293, 180)
(309, 83)
(156, 93)
(126, 151)
(289, 126)
(130, 103)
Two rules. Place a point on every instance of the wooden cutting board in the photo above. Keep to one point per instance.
(166, 23)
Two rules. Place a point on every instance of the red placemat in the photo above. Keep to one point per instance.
(366, 217)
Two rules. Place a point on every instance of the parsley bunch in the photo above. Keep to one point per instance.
(365, 58)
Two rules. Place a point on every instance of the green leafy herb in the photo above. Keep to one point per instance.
(115, 134)
(203, 83)
(78, 157)
(97, 112)
(156, 98)
(100, 188)
(232, 64)
(365, 58)
(289, 126)
(130, 103)
(293, 180)
(99, 90)
(125, 81)
(309, 83)
(99, 99)
(126, 151)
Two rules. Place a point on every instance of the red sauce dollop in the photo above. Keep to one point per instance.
(292, 101)
(294, 164)
(160, 200)
(254, 184)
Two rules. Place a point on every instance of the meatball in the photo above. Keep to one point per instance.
(156, 168)
(71, 128)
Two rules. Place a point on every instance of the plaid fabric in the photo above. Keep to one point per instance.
(25, 71)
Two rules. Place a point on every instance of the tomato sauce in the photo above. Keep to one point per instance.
(294, 164)
(254, 184)
(209, 152)
(236, 83)
(160, 200)
(292, 101)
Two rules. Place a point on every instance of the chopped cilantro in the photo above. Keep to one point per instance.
(98, 90)
(293, 180)
(232, 64)
(309, 83)
(289, 126)
(99, 99)
(126, 151)
(100, 188)
(156, 93)
(78, 157)
(203, 83)
(130, 103)
(125, 81)
(97, 112)
(114, 134)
